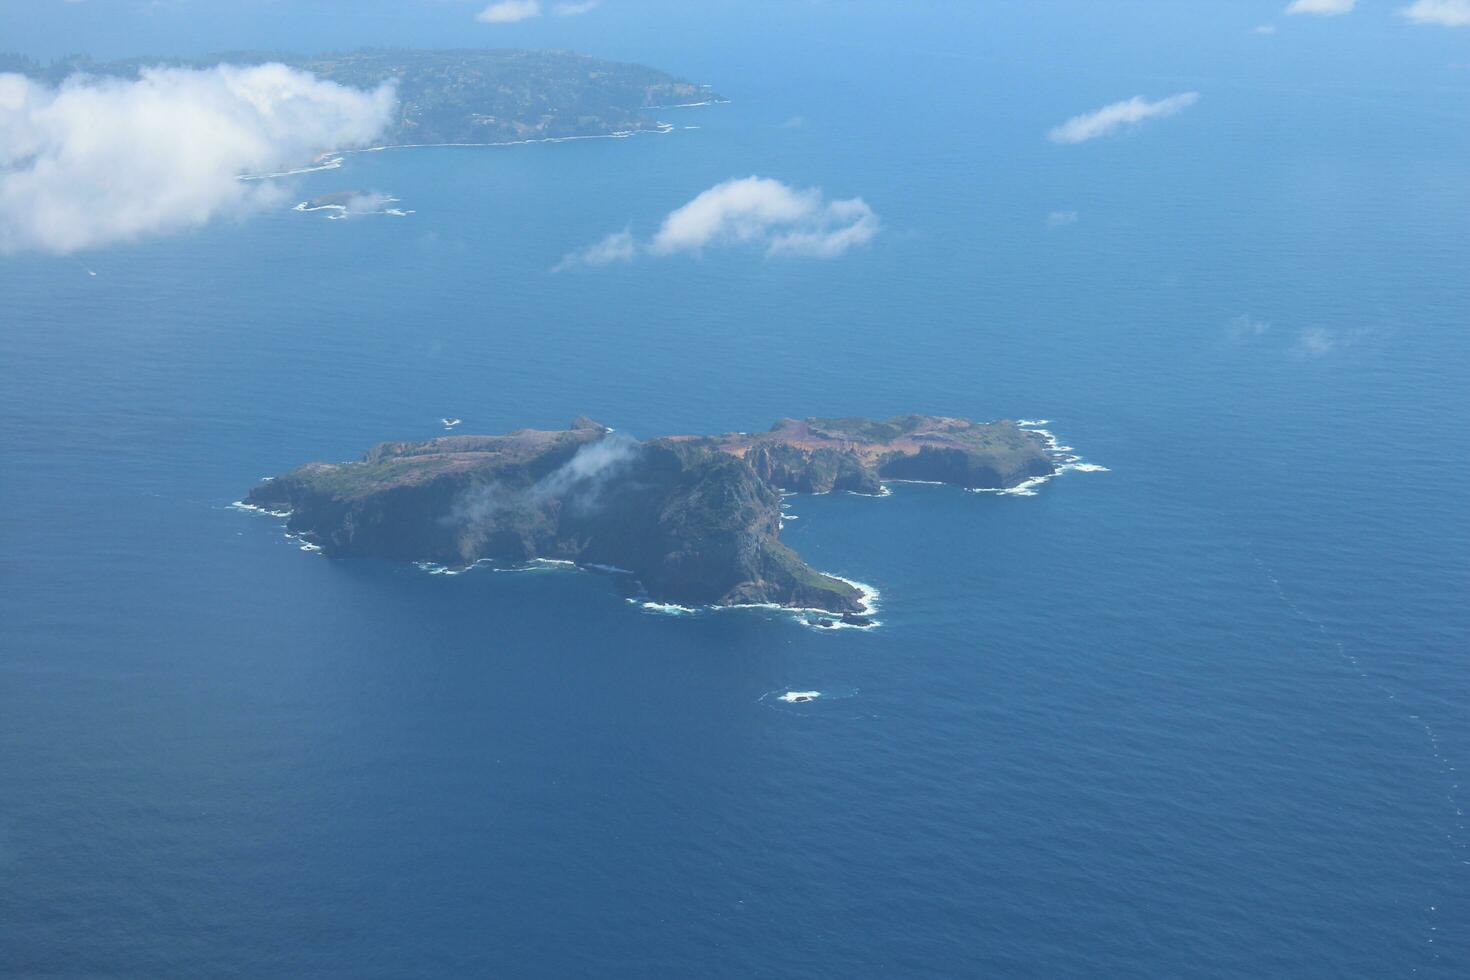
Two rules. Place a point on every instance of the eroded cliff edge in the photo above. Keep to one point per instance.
(695, 519)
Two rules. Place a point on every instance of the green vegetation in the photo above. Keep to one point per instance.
(347, 481)
(859, 430)
(496, 96)
(810, 585)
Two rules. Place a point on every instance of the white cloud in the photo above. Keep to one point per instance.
(368, 202)
(828, 231)
(1447, 13)
(1120, 115)
(510, 11)
(1322, 8)
(1058, 219)
(1264, 29)
(753, 211)
(1305, 343)
(576, 9)
(617, 247)
(99, 160)
(762, 211)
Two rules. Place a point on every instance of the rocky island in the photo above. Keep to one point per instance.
(695, 520)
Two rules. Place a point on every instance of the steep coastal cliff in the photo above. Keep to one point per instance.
(695, 519)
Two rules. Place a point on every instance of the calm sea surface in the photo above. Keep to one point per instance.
(1201, 715)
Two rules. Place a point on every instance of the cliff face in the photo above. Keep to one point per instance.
(695, 520)
(820, 470)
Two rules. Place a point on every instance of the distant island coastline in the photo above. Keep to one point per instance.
(692, 520)
(461, 96)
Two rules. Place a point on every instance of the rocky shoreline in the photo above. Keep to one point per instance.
(695, 520)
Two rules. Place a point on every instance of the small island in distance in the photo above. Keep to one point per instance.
(691, 520)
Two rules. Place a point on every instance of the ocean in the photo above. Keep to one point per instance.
(1201, 714)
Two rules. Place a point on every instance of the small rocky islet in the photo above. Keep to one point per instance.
(695, 520)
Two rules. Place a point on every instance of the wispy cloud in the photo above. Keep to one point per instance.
(1322, 8)
(97, 161)
(510, 11)
(1264, 29)
(1119, 116)
(1446, 13)
(1304, 344)
(576, 9)
(617, 247)
(752, 211)
(759, 210)
(578, 485)
(1246, 328)
(368, 202)
(1316, 342)
(1059, 219)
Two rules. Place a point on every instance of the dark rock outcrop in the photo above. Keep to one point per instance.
(821, 470)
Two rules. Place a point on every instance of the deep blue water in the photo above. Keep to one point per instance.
(1200, 715)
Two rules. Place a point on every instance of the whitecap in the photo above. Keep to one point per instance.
(825, 622)
(252, 508)
(434, 568)
(333, 164)
(870, 594)
(690, 105)
(664, 608)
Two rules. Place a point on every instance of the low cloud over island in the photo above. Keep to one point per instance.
(757, 212)
(103, 160)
